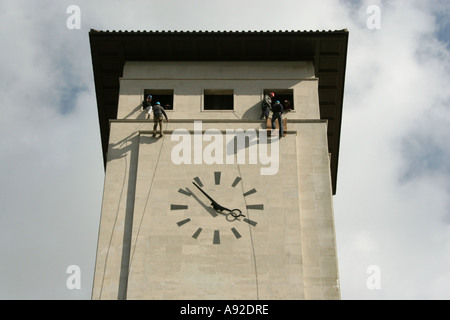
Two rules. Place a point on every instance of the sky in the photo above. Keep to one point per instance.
(392, 207)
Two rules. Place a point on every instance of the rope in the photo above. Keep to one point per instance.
(145, 208)
(251, 235)
(146, 201)
(114, 225)
(124, 142)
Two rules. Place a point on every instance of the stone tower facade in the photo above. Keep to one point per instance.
(220, 206)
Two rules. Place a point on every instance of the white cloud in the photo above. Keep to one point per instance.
(51, 169)
(395, 106)
(391, 206)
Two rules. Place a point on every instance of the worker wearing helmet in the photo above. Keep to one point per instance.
(266, 106)
(147, 105)
(158, 113)
(277, 111)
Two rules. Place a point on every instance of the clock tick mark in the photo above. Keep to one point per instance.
(182, 222)
(199, 182)
(236, 233)
(255, 206)
(216, 239)
(178, 207)
(185, 192)
(250, 192)
(236, 181)
(217, 175)
(250, 222)
(197, 233)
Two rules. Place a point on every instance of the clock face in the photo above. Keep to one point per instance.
(181, 247)
(215, 207)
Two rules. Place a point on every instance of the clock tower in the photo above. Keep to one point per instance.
(221, 206)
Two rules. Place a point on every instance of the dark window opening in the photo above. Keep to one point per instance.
(285, 96)
(164, 97)
(218, 100)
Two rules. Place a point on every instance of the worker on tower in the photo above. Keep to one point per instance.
(266, 106)
(147, 105)
(277, 111)
(158, 113)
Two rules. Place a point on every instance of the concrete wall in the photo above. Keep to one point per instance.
(248, 80)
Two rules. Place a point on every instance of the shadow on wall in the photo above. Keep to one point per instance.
(137, 113)
(253, 113)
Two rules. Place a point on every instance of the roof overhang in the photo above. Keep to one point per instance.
(326, 49)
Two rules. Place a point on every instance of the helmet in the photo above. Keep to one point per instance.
(272, 94)
(158, 103)
(149, 97)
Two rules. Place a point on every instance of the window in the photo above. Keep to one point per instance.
(218, 99)
(283, 95)
(164, 97)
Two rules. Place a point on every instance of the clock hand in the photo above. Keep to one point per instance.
(213, 202)
(235, 212)
(210, 210)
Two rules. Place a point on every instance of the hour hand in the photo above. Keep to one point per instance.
(236, 213)
(210, 210)
(213, 202)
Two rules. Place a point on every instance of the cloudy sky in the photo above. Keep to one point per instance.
(392, 207)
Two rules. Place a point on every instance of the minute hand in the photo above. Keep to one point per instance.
(214, 203)
(235, 213)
